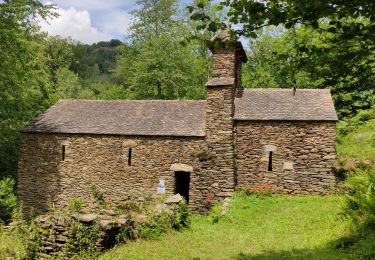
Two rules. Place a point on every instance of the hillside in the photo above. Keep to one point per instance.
(356, 140)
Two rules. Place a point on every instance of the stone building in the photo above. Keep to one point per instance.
(279, 138)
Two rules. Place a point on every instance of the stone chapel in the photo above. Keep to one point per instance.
(279, 138)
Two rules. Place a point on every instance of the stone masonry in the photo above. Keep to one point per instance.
(44, 179)
(303, 153)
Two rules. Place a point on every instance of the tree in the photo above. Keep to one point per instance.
(298, 58)
(59, 54)
(155, 63)
(24, 82)
(251, 15)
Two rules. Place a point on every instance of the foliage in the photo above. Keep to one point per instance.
(156, 226)
(360, 201)
(305, 58)
(76, 205)
(216, 213)
(93, 61)
(356, 141)
(24, 81)
(155, 64)
(98, 195)
(251, 15)
(181, 216)
(59, 54)
(83, 241)
(8, 200)
(360, 209)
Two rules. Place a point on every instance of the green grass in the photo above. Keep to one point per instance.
(358, 142)
(255, 228)
(12, 246)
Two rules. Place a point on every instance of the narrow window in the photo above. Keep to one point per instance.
(270, 162)
(130, 156)
(63, 153)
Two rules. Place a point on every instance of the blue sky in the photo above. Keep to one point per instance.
(90, 21)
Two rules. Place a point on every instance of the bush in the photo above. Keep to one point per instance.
(8, 199)
(181, 216)
(98, 195)
(360, 201)
(216, 213)
(350, 124)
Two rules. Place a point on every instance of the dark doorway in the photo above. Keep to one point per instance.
(182, 184)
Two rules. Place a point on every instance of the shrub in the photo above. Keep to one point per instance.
(76, 205)
(84, 240)
(360, 201)
(8, 200)
(158, 225)
(216, 213)
(181, 216)
(98, 195)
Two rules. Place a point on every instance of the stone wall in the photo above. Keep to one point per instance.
(219, 117)
(302, 156)
(224, 63)
(44, 179)
(65, 235)
(219, 131)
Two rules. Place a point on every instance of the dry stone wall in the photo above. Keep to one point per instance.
(44, 179)
(302, 156)
(219, 117)
(219, 131)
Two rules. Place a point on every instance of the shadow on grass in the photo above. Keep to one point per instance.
(296, 254)
(358, 245)
(320, 253)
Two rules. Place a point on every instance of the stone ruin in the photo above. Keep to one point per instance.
(56, 235)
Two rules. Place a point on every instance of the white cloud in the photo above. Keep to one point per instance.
(90, 21)
(76, 24)
(95, 5)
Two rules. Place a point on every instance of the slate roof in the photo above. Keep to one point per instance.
(281, 104)
(123, 117)
(179, 118)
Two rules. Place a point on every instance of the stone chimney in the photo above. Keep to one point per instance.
(228, 57)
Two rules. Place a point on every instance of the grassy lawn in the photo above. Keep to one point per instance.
(255, 228)
(359, 143)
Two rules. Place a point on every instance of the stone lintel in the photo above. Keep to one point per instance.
(270, 148)
(222, 81)
(180, 167)
(129, 143)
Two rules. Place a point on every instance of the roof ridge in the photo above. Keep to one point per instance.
(135, 100)
(309, 89)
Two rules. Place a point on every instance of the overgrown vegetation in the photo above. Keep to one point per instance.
(356, 164)
(8, 199)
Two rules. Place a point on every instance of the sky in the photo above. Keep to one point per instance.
(90, 21)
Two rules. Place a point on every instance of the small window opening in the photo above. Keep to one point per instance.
(130, 156)
(270, 162)
(63, 153)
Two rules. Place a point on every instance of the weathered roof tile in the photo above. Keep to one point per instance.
(123, 117)
(179, 118)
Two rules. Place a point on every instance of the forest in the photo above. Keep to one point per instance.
(317, 44)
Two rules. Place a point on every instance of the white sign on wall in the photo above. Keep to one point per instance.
(161, 187)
